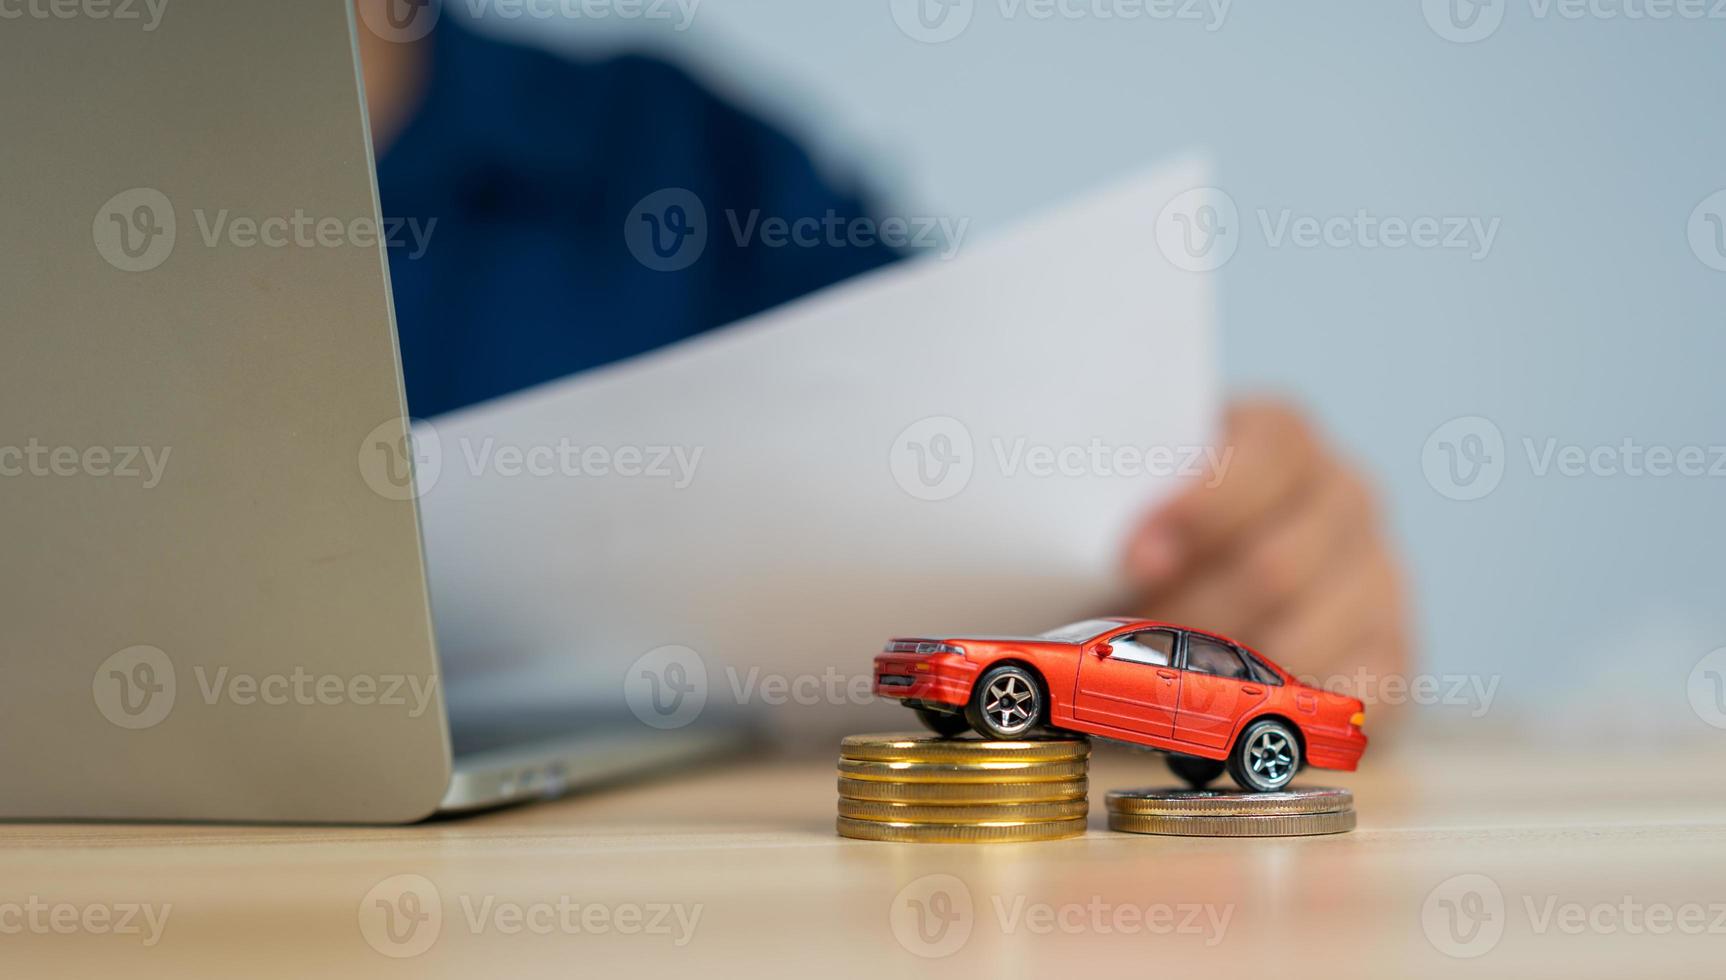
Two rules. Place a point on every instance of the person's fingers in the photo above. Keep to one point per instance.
(1320, 635)
(1296, 558)
(1373, 642)
(1268, 454)
(1285, 562)
(1376, 668)
(1281, 549)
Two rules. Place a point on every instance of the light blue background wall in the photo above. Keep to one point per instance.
(1590, 321)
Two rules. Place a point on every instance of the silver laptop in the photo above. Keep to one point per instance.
(213, 601)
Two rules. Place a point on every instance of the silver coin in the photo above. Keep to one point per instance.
(1265, 825)
(1217, 803)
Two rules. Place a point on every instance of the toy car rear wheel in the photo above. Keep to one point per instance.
(1265, 757)
(1007, 702)
(1194, 771)
(946, 724)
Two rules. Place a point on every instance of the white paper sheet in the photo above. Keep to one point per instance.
(807, 534)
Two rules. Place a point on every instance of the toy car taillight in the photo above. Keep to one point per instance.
(924, 647)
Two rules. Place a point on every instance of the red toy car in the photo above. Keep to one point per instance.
(1209, 702)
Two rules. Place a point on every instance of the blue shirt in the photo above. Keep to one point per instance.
(536, 168)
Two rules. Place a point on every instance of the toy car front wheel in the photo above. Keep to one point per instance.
(1194, 771)
(1007, 702)
(946, 724)
(1265, 757)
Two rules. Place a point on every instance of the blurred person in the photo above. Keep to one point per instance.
(528, 161)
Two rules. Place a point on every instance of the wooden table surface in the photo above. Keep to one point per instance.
(1469, 858)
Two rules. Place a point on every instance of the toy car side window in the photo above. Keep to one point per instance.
(1153, 647)
(1260, 673)
(1207, 656)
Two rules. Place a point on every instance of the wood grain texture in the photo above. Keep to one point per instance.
(747, 852)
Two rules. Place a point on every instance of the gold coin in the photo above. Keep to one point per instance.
(977, 813)
(933, 748)
(1275, 825)
(1216, 803)
(974, 772)
(953, 794)
(948, 833)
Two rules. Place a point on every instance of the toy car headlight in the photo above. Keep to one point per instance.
(1358, 719)
(927, 648)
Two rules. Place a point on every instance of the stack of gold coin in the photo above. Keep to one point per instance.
(1293, 812)
(926, 789)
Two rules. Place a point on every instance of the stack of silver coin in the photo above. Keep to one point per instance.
(1293, 812)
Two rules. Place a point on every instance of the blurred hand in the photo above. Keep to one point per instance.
(1281, 549)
